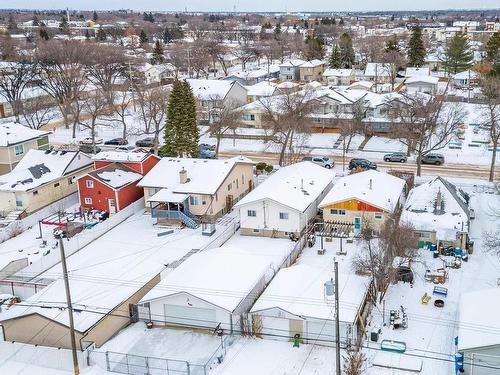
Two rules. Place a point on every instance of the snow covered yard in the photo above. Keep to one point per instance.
(431, 330)
(175, 344)
(249, 356)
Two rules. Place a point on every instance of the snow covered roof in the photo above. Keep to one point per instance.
(120, 156)
(378, 69)
(423, 79)
(360, 85)
(378, 189)
(338, 72)
(39, 167)
(479, 325)
(116, 175)
(292, 63)
(222, 276)
(415, 71)
(299, 290)
(466, 75)
(165, 195)
(12, 133)
(204, 175)
(253, 73)
(287, 85)
(210, 89)
(263, 88)
(312, 64)
(424, 212)
(295, 186)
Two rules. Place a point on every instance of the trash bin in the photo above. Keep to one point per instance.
(374, 334)
(296, 340)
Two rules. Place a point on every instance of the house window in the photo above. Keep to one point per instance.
(248, 117)
(35, 192)
(229, 186)
(90, 184)
(19, 202)
(18, 150)
(56, 184)
(251, 213)
(284, 215)
(237, 184)
(378, 215)
(256, 230)
(193, 201)
(334, 211)
(243, 179)
(71, 180)
(88, 200)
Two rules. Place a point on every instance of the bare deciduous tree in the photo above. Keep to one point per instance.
(96, 106)
(13, 82)
(286, 120)
(424, 123)
(491, 90)
(224, 119)
(354, 362)
(37, 113)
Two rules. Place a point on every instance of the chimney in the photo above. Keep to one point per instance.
(439, 204)
(183, 176)
(371, 184)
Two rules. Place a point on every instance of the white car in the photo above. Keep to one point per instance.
(88, 141)
(128, 148)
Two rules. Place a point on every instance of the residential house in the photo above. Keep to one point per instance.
(185, 297)
(41, 178)
(379, 73)
(466, 79)
(312, 71)
(260, 90)
(479, 331)
(439, 212)
(361, 85)
(212, 95)
(16, 140)
(339, 77)
(425, 84)
(412, 72)
(159, 73)
(368, 197)
(187, 190)
(112, 186)
(285, 202)
(254, 76)
(290, 70)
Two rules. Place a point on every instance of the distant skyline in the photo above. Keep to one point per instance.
(253, 5)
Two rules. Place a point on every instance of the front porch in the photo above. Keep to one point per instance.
(168, 206)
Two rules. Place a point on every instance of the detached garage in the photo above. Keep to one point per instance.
(295, 303)
(210, 289)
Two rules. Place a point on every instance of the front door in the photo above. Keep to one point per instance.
(112, 206)
(357, 223)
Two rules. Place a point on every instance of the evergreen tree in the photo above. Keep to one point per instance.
(95, 16)
(458, 54)
(392, 45)
(167, 36)
(306, 24)
(143, 38)
(157, 53)
(63, 25)
(43, 34)
(346, 51)
(313, 48)
(493, 53)
(181, 130)
(87, 34)
(12, 24)
(101, 35)
(335, 61)
(277, 29)
(341, 22)
(416, 48)
(36, 21)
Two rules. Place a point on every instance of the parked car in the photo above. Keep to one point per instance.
(323, 161)
(436, 159)
(207, 154)
(404, 274)
(128, 148)
(396, 156)
(89, 149)
(363, 163)
(117, 142)
(206, 146)
(88, 141)
(145, 142)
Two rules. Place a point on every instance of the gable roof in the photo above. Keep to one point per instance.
(204, 175)
(209, 89)
(292, 63)
(116, 175)
(312, 63)
(39, 167)
(338, 72)
(378, 189)
(123, 157)
(13, 133)
(295, 186)
(378, 69)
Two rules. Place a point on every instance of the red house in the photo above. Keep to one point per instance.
(112, 186)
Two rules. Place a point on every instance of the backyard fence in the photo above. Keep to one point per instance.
(131, 364)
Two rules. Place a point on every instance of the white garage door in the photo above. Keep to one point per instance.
(275, 328)
(323, 333)
(190, 316)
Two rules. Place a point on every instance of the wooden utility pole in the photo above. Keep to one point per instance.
(70, 308)
(337, 323)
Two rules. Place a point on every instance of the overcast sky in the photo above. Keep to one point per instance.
(252, 5)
